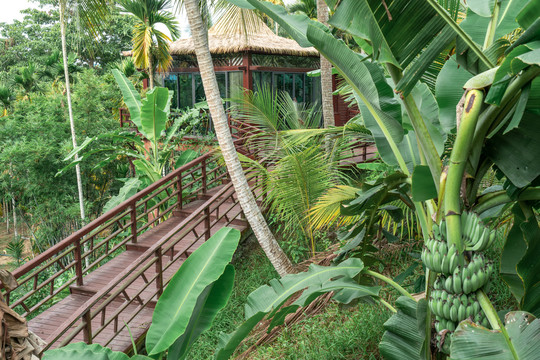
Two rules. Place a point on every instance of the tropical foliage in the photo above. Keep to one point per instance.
(410, 135)
(148, 41)
(151, 119)
(297, 170)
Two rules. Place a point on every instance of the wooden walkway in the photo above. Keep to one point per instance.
(103, 281)
(46, 324)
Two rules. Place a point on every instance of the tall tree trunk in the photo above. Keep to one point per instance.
(70, 110)
(253, 214)
(7, 216)
(326, 73)
(14, 217)
(150, 72)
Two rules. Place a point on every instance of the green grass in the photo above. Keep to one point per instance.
(252, 270)
(336, 333)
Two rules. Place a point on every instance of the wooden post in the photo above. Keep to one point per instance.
(203, 170)
(179, 196)
(207, 222)
(365, 152)
(134, 223)
(159, 272)
(78, 262)
(247, 74)
(87, 330)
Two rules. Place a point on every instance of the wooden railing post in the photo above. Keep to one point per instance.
(207, 222)
(203, 169)
(179, 196)
(365, 151)
(78, 262)
(159, 272)
(87, 330)
(133, 214)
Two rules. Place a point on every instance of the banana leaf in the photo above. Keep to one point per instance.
(132, 98)
(471, 341)
(175, 308)
(155, 111)
(82, 351)
(404, 336)
(210, 302)
(520, 268)
(268, 299)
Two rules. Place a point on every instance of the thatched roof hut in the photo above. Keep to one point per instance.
(246, 54)
(243, 31)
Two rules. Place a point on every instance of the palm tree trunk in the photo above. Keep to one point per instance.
(70, 110)
(326, 73)
(253, 214)
(150, 72)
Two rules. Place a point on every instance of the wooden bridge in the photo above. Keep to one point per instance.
(105, 279)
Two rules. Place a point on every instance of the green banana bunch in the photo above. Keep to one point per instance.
(444, 324)
(453, 298)
(453, 307)
(440, 257)
(467, 279)
(476, 236)
(443, 342)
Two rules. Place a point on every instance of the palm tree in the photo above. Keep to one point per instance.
(27, 80)
(148, 41)
(92, 13)
(253, 214)
(6, 97)
(326, 73)
(308, 7)
(54, 67)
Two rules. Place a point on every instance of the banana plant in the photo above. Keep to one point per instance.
(486, 95)
(150, 116)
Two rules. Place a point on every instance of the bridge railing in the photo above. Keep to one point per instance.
(48, 276)
(113, 309)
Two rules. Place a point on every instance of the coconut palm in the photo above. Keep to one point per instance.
(326, 73)
(301, 169)
(149, 43)
(253, 214)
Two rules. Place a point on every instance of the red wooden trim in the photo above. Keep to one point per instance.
(280, 69)
(248, 77)
(216, 68)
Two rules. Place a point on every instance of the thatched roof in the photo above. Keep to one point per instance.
(241, 30)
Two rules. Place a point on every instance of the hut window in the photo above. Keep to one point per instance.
(185, 86)
(235, 84)
(171, 83)
(299, 87)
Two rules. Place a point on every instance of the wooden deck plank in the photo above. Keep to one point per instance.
(50, 320)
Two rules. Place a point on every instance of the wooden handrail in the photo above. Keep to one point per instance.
(112, 290)
(85, 230)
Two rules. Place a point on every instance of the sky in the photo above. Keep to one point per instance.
(11, 9)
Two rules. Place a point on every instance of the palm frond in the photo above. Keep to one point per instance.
(326, 211)
(296, 182)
